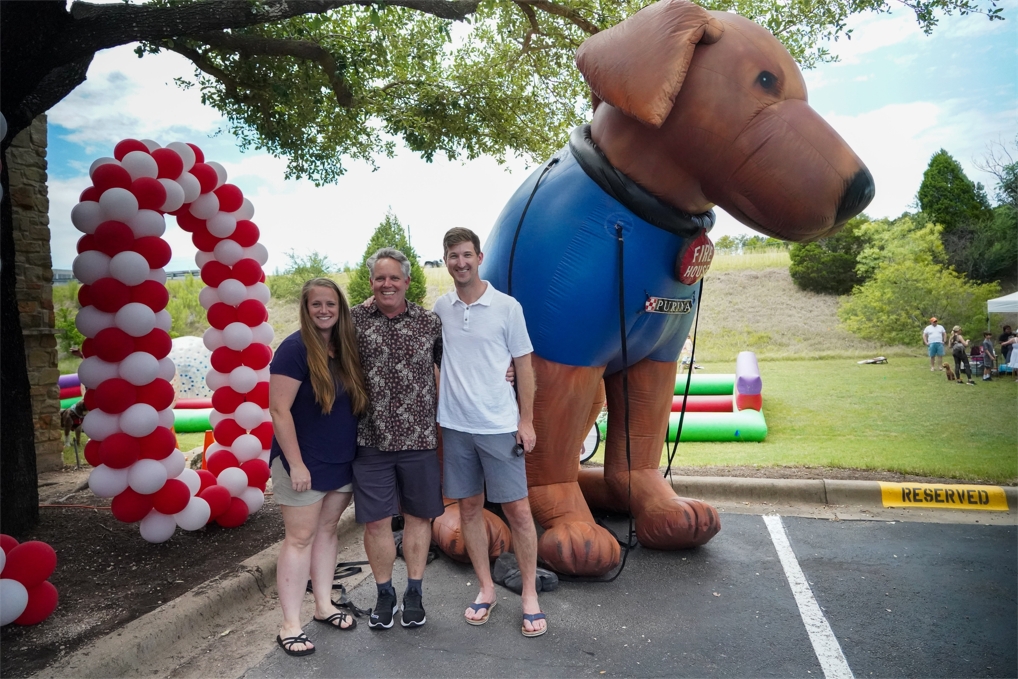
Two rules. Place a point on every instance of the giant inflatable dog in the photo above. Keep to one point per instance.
(691, 109)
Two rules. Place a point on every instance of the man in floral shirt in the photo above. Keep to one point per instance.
(396, 470)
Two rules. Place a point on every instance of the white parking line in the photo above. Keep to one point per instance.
(825, 644)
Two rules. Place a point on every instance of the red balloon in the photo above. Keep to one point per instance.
(221, 315)
(206, 176)
(218, 499)
(89, 399)
(187, 221)
(155, 250)
(214, 273)
(199, 157)
(172, 497)
(227, 431)
(30, 563)
(85, 296)
(247, 271)
(230, 198)
(108, 294)
(252, 313)
(235, 516)
(159, 394)
(120, 450)
(92, 456)
(170, 164)
(261, 279)
(157, 343)
(150, 193)
(42, 601)
(203, 240)
(91, 193)
(115, 395)
(220, 460)
(264, 433)
(88, 348)
(225, 399)
(260, 394)
(151, 293)
(225, 359)
(113, 345)
(256, 356)
(257, 472)
(113, 237)
(126, 146)
(158, 444)
(246, 234)
(86, 243)
(131, 506)
(7, 543)
(207, 479)
(111, 175)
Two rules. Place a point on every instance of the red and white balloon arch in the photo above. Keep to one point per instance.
(126, 370)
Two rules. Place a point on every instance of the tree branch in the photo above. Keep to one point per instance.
(565, 12)
(535, 28)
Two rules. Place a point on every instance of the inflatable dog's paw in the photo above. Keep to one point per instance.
(677, 523)
(579, 548)
(447, 534)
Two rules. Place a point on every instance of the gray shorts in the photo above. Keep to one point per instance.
(386, 483)
(475, 463)
(284, 494)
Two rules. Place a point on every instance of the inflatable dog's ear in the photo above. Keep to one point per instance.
(638, 66)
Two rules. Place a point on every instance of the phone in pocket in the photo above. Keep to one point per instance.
(518, 449)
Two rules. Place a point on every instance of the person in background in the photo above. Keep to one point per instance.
(958, 345)
(934, 335)
(989, 356)
(316, 392)
(1006, 349)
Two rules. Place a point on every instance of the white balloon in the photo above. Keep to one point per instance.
(215, 446)
(246, 447)
(93, 371)
(237, 336)
(13, 600)
(157, 275)
(101, 425)
(139, 368)
(243, 379)
(213, 339)
(148, 223)
(220, 172)
(263, 333)
(105, 160)
(166, 369)
(107, 482)
(86, 216)
(157, 527)
(191, 186)
(135, 318)
(3, 554)
(229, 252)
(174, 195)
(265, 456)
(185, 152)
(215, 417)
(231, 291)
(118, 204)
(249, 415)
(90, 266)
(191, 480)
(222, 224)
(263, 374)
(246, 210)
(233, 479)
(150, 145)
(90, 321)
(139, 420)
(216, 380)
(163, 320)
(174, 464)
(195, 515)
(166, 418)
(207, 297)
(140, 164)
(201, 258)
(205, 206)
(260, 292)
(129, 268)
(258, 253)
(146, 476)
(254, 498)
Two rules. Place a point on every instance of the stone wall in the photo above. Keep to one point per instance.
(26, 161)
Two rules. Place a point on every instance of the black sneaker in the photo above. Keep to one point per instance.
(385, 608)
(413, 610)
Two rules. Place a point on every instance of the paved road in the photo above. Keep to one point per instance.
(876, 598)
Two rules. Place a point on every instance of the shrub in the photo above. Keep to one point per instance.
(828, 265)
(288, 284)
(389, 234)
(187, 314)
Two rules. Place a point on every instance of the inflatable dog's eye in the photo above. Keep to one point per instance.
(767, 80)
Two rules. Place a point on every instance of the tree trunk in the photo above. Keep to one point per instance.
(19, 490)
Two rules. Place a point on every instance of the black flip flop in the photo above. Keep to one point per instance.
(341, 617)
(287, 644)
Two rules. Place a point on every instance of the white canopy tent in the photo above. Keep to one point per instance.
(1003, 305)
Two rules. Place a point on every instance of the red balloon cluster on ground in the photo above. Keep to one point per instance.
(27, 597)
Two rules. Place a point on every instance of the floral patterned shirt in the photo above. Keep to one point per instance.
(398, 357)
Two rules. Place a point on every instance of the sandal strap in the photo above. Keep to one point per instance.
(532, 617)
(299, 639)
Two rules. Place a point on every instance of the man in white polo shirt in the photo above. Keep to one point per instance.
(484, 432)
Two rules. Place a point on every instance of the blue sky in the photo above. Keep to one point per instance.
(896, 96)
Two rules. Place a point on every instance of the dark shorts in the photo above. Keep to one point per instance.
(386, 483)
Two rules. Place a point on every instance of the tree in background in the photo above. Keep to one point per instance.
(727, 245)
(389, 234)
(905, 239)
(828, 265)
(948, 197)
(301, 269)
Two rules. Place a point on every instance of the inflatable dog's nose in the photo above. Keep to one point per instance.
(858, 195)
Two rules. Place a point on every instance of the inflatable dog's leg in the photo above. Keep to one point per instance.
(663, 520)
(572, 543)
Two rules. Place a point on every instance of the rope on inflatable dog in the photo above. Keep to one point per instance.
(689, 378)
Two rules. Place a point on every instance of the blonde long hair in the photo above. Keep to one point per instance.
(343, 341)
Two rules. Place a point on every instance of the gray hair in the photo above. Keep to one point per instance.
(389, 253)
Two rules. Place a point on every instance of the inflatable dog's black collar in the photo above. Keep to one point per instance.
(623, 189)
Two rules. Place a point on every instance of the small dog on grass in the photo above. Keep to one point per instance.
(71, 419)
(950, 373)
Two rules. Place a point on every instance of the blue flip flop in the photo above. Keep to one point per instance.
(533, 617)
(481, 607)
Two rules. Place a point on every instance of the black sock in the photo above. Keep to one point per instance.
(414, 585)
(385, 587)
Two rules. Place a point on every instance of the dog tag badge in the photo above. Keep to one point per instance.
(694, 259)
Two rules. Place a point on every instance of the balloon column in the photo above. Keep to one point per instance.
(126, 370)
(27, 597)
